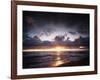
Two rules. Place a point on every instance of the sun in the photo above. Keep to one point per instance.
(59, 48)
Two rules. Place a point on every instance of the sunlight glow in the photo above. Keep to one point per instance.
(82, 47)
(58, 63)
(56, 49)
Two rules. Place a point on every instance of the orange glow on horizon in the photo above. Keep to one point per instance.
(56, 49)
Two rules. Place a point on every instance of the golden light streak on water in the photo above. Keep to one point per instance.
(59, 60)
(57, 63)
(58, 56)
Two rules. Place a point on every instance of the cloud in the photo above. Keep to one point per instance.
(59, 38)
(73, 32)
(47, 25)
(35, 41)
(29, 20)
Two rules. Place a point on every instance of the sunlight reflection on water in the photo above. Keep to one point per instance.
(59, 60)
(51, 59)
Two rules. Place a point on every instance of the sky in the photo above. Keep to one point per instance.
(48, 25)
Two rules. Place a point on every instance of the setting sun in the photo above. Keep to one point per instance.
(59, 48)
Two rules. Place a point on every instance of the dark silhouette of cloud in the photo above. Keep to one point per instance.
(73, 32)
(59, 38)
(35, 41)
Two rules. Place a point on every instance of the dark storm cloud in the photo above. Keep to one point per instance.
(32, 41)
(59, 38)
(46, 23)
(83, 29)
(72, 32)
